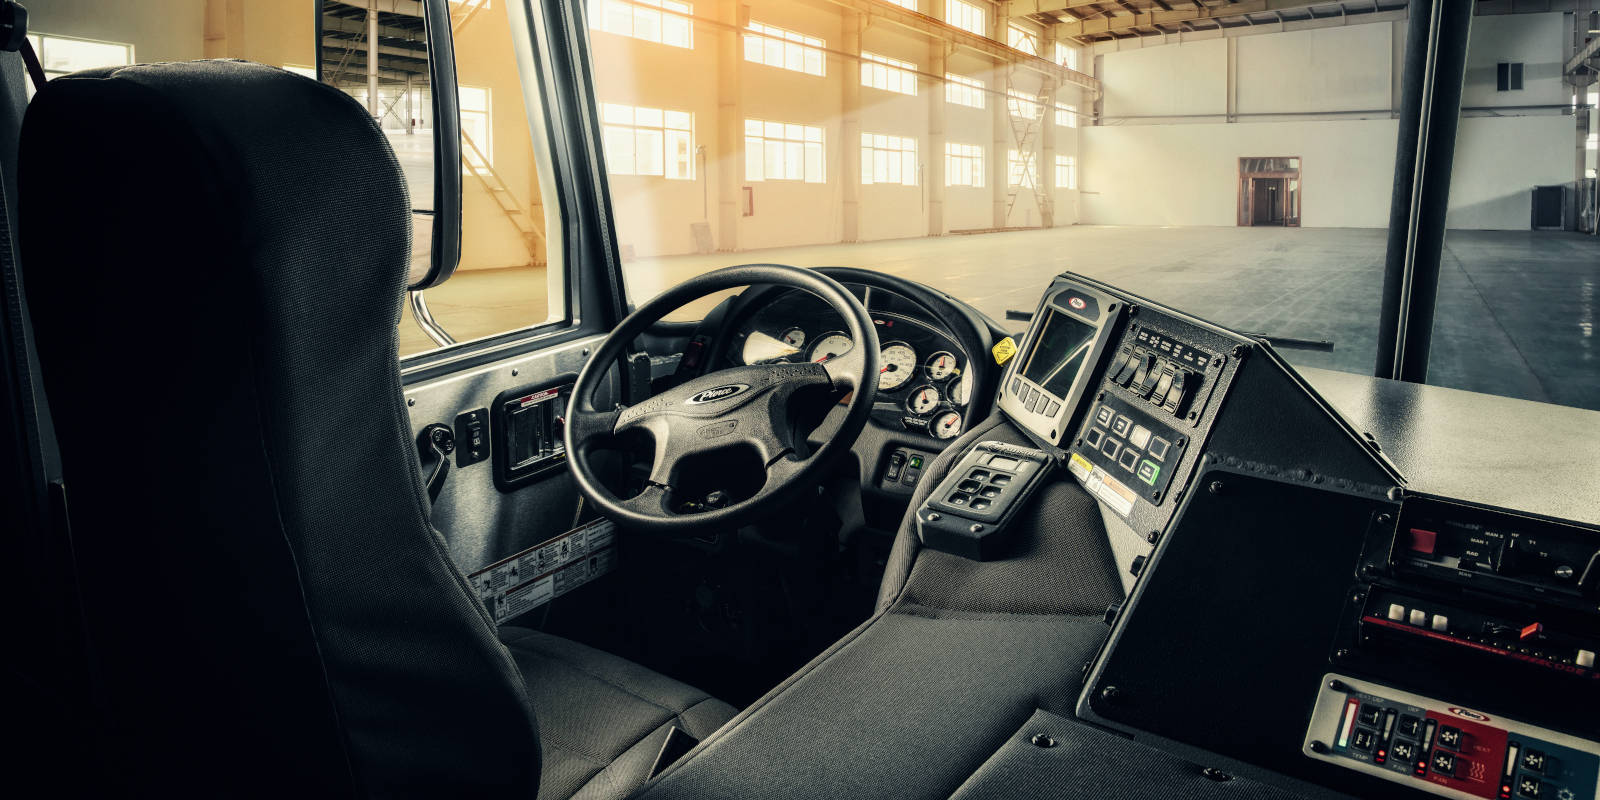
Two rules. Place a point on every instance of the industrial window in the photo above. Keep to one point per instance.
(1022, 106)
(963, 91)
(908, 4)
(648, 141)
(1508, 76)
(780, 151)
(1066, 56)
(784, 49)
(1066, 115)
(661, 21)
(1066, 172)
(963, 165)
(477, 134)
(965, 16)
(888, 74)
(1021, 171)
(1022, 39)
(888, 159)
(60, 55)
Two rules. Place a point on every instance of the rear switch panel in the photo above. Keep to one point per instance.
(1443, 749)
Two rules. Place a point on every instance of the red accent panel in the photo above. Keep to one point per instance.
(1478, 761)
(1423, 541)
(1569, 669)
(1530, 631)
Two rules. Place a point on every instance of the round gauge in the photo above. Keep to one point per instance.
(830, 345)
(960, 388)
(923, 400)
(941, 365)
(794, 337)
(946, 425)
(898, 362)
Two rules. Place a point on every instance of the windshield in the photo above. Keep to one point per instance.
(1238, 171)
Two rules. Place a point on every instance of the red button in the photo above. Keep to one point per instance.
(1533, 630)
(1423, 541)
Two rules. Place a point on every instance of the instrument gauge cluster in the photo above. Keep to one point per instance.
(923, 381)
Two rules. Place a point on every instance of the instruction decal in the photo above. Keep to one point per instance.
(533, 577)
(1111, 491)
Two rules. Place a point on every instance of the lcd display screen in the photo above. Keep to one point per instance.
(1059, 353)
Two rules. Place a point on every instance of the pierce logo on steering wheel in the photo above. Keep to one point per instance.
(716, 393)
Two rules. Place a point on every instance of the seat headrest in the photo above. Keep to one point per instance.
(215, 255)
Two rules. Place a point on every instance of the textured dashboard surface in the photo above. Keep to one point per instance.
(1522, 455)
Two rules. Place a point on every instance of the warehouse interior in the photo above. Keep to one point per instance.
(1235, 159)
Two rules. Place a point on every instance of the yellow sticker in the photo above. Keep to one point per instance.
(1003, 350)
(1080, 467)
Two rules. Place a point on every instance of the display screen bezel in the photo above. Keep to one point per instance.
(1091, 307)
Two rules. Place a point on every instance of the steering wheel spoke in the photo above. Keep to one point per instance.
(586, 425)
(650, 502)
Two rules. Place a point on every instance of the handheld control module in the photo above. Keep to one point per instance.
(968, 513)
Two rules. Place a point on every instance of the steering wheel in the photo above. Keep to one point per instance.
(746, 406)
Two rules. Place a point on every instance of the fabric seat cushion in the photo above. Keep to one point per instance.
(602, 719)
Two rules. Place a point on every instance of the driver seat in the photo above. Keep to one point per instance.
(266, 609)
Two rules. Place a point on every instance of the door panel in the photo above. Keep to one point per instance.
(481, 523)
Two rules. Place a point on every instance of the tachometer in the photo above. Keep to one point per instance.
(830, 345)
(897, 363)
(946, 425)
(941, 365)
(923, 400)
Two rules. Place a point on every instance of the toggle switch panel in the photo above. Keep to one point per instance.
(1444, 749)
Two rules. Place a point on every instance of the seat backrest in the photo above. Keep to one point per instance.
(215, 255)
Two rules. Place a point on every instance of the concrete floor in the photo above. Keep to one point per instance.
(1516, 314)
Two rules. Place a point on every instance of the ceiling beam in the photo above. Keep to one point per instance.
(1114, 25)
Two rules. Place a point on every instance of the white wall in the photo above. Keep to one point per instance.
(1325, 96)
(1189, 174)
(1498, 162)
(1176, 80)
(1324, 69)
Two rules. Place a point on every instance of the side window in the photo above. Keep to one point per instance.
(60, 55)
(504, 281)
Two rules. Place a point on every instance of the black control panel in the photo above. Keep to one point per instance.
(1506, 553)
(1171, 375)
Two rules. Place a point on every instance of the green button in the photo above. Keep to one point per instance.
(916, 462)
(1149, 471)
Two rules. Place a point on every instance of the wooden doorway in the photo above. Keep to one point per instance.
(1269, 191)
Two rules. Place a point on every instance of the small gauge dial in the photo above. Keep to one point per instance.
(941, 365)
(897, 363)
(923, 400)
(960, 388)
(759, 348)
(830, 345)
(794, 337)
(946, 425)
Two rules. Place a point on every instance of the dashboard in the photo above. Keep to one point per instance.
(1298, 611)
(925, 384)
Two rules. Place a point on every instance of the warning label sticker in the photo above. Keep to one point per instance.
(1081, 467)
(541, 573)
(1110, 491)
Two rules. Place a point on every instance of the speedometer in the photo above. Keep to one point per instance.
(898, 362)
(830, 345)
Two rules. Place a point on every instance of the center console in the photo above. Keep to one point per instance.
(1303, 615)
